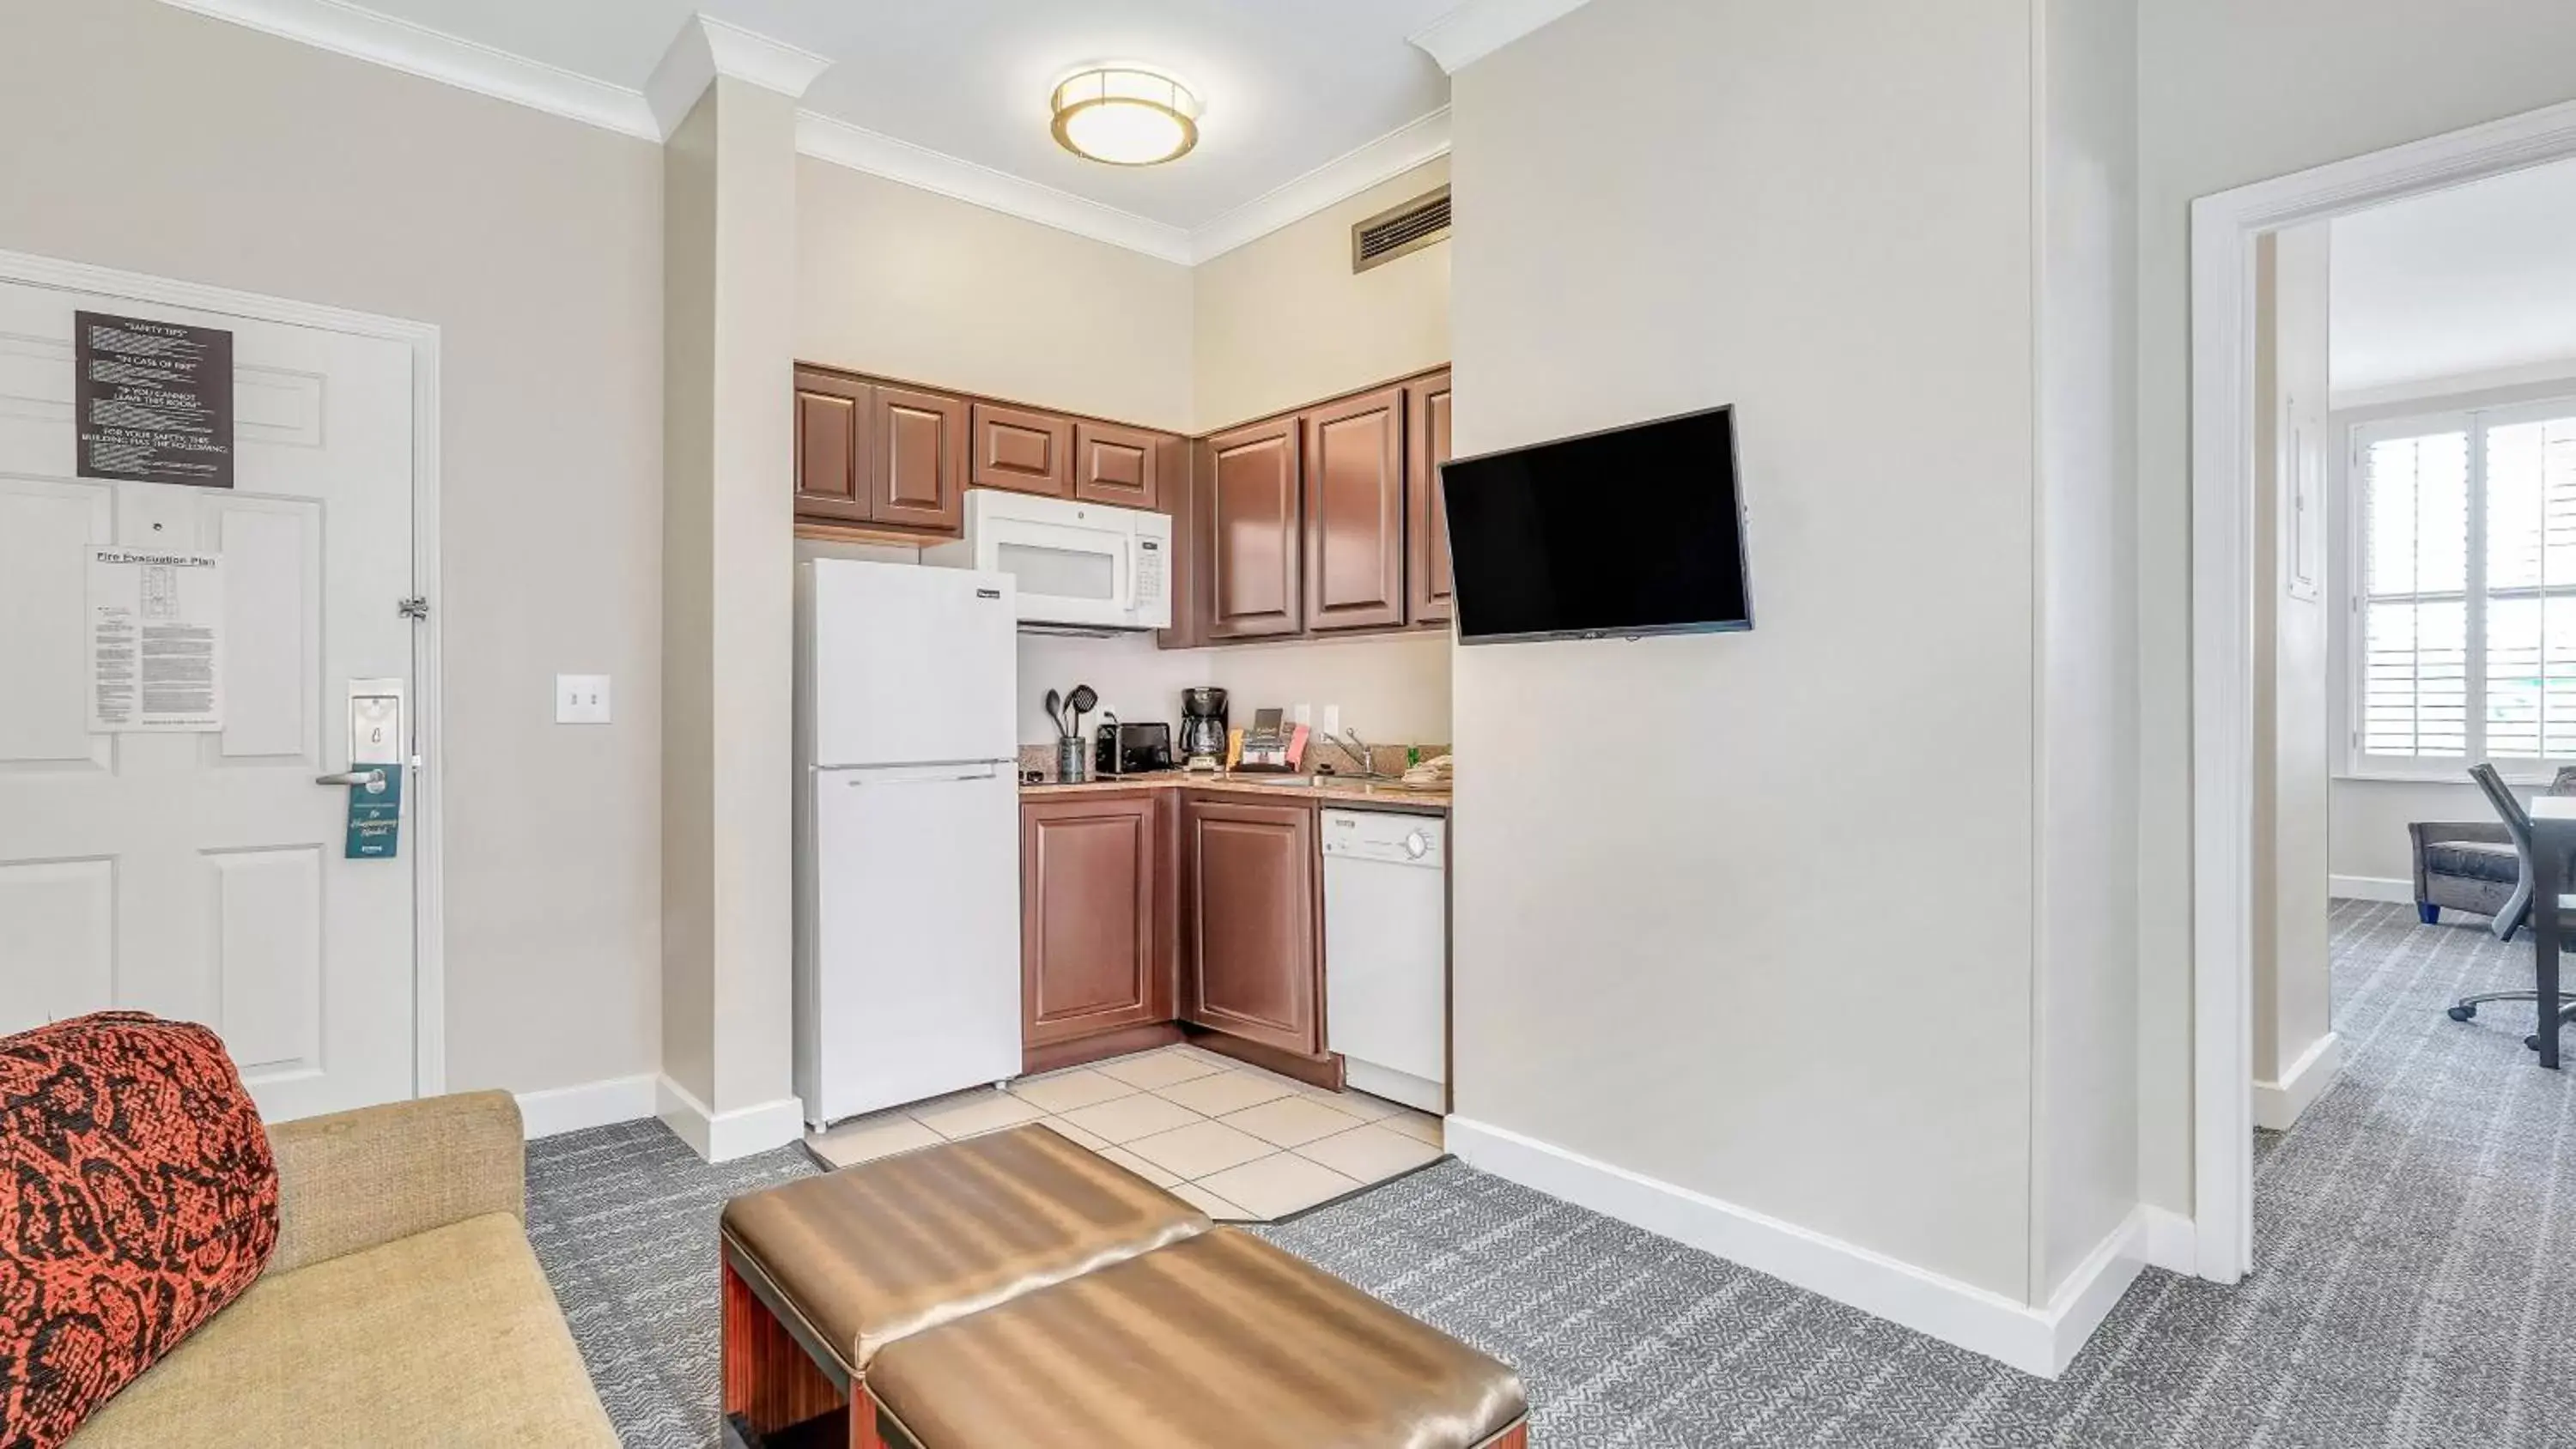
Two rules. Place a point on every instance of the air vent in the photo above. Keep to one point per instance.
(1407, 228)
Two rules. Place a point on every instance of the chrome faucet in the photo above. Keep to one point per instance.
(1350, 744)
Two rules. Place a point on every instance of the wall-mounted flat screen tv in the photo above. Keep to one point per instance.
(1632, 531)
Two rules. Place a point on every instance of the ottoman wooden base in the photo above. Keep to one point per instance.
(774, 1384)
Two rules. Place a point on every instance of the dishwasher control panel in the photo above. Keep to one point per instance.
(1386, 836)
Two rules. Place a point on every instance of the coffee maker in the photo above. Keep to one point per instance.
(1203, 730)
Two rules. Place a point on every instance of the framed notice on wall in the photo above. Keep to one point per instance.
(153, 400)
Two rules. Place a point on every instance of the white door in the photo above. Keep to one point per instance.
(917, 933)
(201, 876)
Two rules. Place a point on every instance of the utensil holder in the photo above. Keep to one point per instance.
(1072, 762)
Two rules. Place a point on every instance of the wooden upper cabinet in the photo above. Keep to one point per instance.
(1090, 932)
(1250, 532)
(1355, 512)
(1426, 530)
(1022, 451)
(1253, 967)
(1185, 465)
(832, 417)
(917, 464)
(1117, 465)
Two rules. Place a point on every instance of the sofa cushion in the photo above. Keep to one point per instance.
(2474, 860)
(140, 1198)
(446, 1337)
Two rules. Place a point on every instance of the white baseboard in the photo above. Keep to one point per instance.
(2039, 1341)
(2371, 888)
(589, 1104)
(2173, 1241)
(724, 1136)
(2278, 1104)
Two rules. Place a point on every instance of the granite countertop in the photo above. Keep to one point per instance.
(1338, 790)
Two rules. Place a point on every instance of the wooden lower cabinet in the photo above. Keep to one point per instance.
(1252, 960)
(1095, 909)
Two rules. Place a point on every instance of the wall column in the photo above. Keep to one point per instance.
(727, 102)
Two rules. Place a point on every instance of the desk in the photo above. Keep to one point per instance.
(2553, 840)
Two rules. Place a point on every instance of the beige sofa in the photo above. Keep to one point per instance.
(403, 1305)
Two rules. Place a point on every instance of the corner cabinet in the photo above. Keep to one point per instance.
(1093, 956)
(1250, 525)
(1355, 513)
(1426, 512)
(1254, 962)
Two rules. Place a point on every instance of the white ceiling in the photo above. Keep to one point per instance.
(2476, 279)
(1289, 85)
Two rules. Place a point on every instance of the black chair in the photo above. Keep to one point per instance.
(2517, 825)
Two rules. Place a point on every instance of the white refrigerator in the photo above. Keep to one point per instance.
(907, 835)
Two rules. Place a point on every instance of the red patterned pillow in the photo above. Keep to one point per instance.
(141, 1198)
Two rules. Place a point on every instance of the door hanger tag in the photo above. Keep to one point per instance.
(376, 744)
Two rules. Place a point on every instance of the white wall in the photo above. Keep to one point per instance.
(1283, 321)
(2084, 1180)
(1675, 967)
(910, 284)
(1393, 689)
(2292, 764)
(144, 137)
(2232, 92)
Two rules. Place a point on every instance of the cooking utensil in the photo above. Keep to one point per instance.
(1055, 711)
(1083, 701)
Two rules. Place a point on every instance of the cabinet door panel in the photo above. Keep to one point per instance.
(1355, 513)
(1088, 925)
(1251, 570)
(1023, 451)
(1184, 470)
(1117, 465)
(917, 470)
(831, 447)
(1255, 971)
(1427, 521)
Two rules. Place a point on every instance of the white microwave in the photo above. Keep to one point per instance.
(1083, 565)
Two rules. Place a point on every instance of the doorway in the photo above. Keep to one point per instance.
(196, 857)
(2229, 231)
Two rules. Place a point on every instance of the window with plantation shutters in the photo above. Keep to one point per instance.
(2464, 590)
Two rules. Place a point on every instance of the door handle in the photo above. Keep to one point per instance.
(352, 777)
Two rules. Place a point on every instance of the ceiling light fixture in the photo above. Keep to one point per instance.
(1125, 115)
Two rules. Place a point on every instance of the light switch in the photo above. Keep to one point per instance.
(581, 699)
(1303, 714)
(1333, 720)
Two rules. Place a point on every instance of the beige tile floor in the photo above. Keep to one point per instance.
(1240, 1142)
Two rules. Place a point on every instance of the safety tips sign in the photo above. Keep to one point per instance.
(154, 400)
(156, 640)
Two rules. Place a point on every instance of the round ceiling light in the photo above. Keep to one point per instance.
(1125, 115)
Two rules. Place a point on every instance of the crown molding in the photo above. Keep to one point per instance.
(877, 154)
(1337, 180)
(706, 48)
(1480, 27)
(436, 55)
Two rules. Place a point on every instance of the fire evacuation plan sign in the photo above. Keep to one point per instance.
(156, 640)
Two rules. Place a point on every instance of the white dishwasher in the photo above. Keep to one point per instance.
(1386, 953)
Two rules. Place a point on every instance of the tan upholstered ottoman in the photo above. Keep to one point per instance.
(1217, 1342)
(821, 1274)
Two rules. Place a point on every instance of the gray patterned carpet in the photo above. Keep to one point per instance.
(2415, 1280)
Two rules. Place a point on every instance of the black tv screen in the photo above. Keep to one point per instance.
(1637, 530)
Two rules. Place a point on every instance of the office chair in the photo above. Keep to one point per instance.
(2517, 824)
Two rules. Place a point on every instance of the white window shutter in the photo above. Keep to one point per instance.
(2414, 687)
